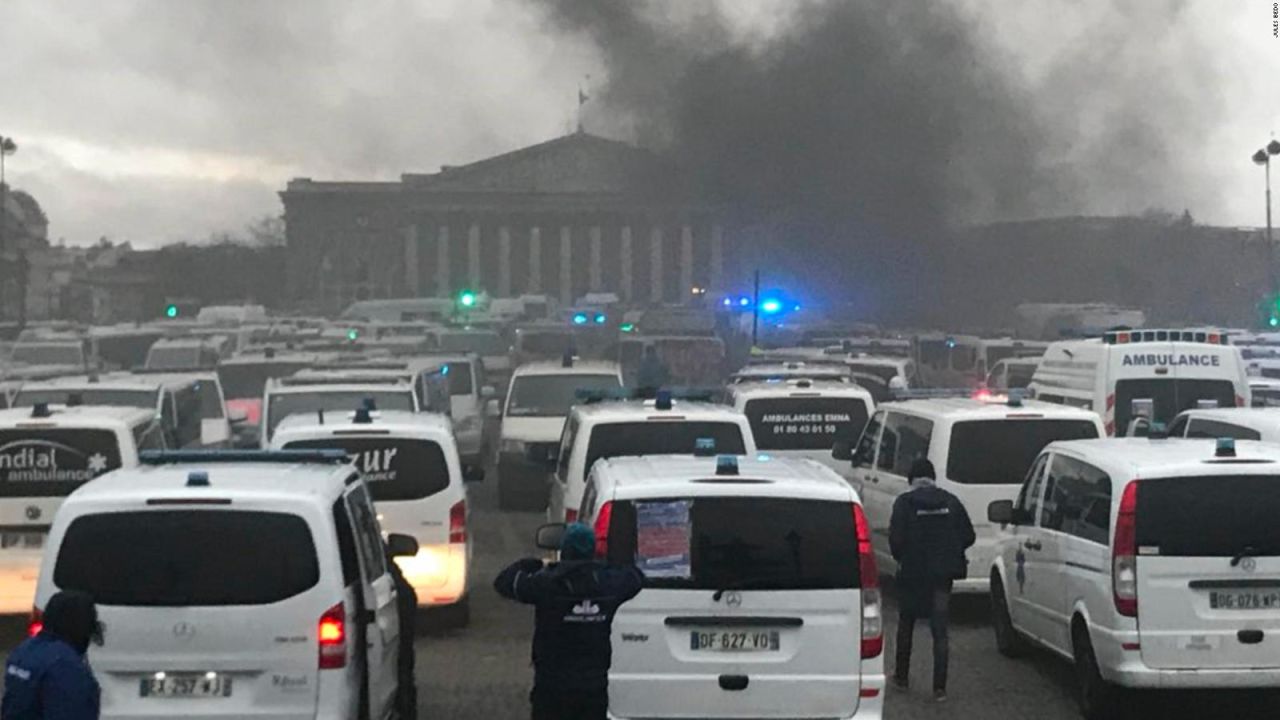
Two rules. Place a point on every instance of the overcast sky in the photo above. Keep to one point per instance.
(164, 120)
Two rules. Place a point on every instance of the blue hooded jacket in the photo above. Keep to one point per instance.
(48, 676)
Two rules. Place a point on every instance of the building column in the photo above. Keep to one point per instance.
(535, 261)
(717, 258)
(443, 288)
(624, 253)
(504, 262)
(594, 281)
(412, 283)
(655, 265)
(473, 256)
(566, 265)
(686, 262)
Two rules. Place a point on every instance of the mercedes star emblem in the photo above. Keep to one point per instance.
(733, 599)
(184, 631)
(1248, 564)
(33, 512)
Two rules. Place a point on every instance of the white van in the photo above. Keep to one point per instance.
(662, 426)
(995, 350)
(774, 611)
(411, 464)
(469, 389)
(947, 360)
(188, 353)
(45, 453)
(176, 401)
(538, 400)
(282, 399)
(1251, 423)
(1149, 563)
(820, 421)
(234, 585)
(1264, 392)
(1128, 374)
(980, 450)
(1011, 374)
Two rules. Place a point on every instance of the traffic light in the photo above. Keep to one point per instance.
(467, 299)
(580, 318)
(171, 311)
(627, 327)
(353, 334)
(601, 318)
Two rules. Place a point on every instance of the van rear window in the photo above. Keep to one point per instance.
(1169, 397)
(1213, 516)
(726, 543)
(999, 452)
(805, 423)
(51, 462)
(394, 468)
(661, 437)
(183, 558)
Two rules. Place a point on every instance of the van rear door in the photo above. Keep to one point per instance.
(751, 608)
(39, 466)
(209, 611)
(1209, 571)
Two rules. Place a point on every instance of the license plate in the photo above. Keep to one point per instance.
(182, 685)
(1244, 600)
(734, 641)
(22, 540)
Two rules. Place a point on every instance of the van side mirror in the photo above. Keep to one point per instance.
(472, 473)
(488, 391)
(492, 408)
(842, 450)
(549, 536)
(401, 545)
(1004, 513)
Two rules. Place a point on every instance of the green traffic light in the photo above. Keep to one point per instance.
(1274, 321)
(353, 334)
(467, 298)
(171, 311)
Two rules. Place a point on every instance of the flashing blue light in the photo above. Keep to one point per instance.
(444, 370)
(726, 465)
(727, 302)
(772, 306)
(744, 301)
(580, 319)
(797, 307)
(764, 457)
(601, 318)
(951, 343)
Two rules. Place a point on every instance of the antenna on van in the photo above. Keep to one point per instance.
(320, 415)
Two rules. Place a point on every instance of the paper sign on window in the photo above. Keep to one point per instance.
(662, 539)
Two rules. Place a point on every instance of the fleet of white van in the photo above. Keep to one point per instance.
(1129, 375)
(282, 398)
(980, 450)
(1146, 562)
(761, 597)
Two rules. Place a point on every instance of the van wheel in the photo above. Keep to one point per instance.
(1098, 698)
(1009, 641)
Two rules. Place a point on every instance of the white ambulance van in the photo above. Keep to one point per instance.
(1130, 374)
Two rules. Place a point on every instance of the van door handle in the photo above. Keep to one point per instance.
(871, 478)
(1033, 545)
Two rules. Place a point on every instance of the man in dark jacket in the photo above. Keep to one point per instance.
(928, 534)
(576, 600)
(48, 677)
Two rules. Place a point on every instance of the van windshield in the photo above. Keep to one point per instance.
(394, 468)
(661, 437)
(51, 462)
(481, 343)
(1170, 396)
(999, 452)
(805, 423)
(1211, 516)
(545, 343)
(148, 399)
(553, 395)
(48, 354)
(884, 372)
(726, 543)
(247, 380)
(165, 558)
(286, 404)
(174, 358)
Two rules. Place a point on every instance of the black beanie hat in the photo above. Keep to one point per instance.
(922, 469)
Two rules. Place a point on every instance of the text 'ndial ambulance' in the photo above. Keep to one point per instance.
(1128, 375)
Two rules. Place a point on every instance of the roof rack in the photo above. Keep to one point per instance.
(289, 457)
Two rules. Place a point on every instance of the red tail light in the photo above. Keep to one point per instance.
(1240, 401)
(332, 633)
(458, 522)
(602, 529)
(1124, 554)
(36, 623)
(869, 574)
(570, 515)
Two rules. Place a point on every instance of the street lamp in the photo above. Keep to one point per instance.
(1263, 158)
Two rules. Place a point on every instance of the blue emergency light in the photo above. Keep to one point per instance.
(580, 319)
(727, 465)
(704, 447)
(1226, 447)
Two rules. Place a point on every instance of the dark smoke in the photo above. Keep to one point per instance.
(864, 131)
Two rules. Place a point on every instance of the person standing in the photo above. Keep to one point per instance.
(576, 600)
(48, 676)
(929, 532)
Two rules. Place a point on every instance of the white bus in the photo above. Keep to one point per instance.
(1127, 375)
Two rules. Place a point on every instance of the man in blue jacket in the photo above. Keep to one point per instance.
(576, 600)
(928, 534)
(48, 676)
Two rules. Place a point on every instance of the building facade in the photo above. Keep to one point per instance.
(574, 215)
